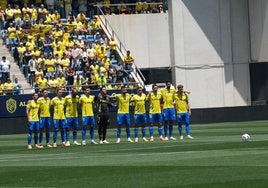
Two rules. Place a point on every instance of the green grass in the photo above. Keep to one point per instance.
(215, 158)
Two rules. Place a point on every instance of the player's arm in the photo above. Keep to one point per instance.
(39, 109)
(188, 106)
(189, 109)
(64, 106)
(162, 99)
(112, 96)
(51, 106)
(28, 111)
(132, 98)
(95, 102)
(148, 96)
(110, 104)
(80, 101)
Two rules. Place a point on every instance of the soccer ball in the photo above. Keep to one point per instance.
(245, 137)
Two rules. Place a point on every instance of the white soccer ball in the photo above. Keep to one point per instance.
(245, 137)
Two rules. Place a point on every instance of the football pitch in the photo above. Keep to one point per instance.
(216, 157)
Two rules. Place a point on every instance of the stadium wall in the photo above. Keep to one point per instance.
(206, 44)
(258, 11)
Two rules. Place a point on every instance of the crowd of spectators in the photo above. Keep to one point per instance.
(60, 44)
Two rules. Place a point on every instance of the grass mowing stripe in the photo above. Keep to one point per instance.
(215, 158)
(114, 176)
(228, 156)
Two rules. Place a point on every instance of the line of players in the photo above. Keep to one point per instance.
(65, 115)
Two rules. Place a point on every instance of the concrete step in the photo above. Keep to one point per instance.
(15, 71)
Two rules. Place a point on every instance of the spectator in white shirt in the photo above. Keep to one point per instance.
(5, 68)
(17, 87)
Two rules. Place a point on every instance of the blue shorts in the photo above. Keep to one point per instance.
(9, 41)
(45, 122)
(156, 118)
(33, 126)
(169, 114)
(71, 122)
(184, 117)
(88, 120)
(59, 123)
(123, 119)
(140, 118)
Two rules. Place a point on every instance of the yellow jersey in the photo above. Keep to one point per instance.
(30, 44)
(154, 102)
(128, 59)
(123, 103)
(17, 14)
(9, 13)
(68, 4)
(95, 24)
(34, 13)
(58, 107)
(21, 50)
(33, 111)
(66, 36)
(71, 104)
(11, 32)
(8, 86)
(168, 97)
(53, 84)
(57, 33)
(1, 89)
(139, 103)
(138, 6)
(181, 102)
(38, 75)
(61, 81)
(87, 105)
(44, 104)
(113, 44)
(65, 63)
(42, 83)
(50, 63)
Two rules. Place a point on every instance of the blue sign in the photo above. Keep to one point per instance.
(15, 105)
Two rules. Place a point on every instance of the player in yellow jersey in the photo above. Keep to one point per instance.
(123, 117)
(32, 111)
(87, 104)
(154, 99)
(45, 118)
(71, 112)
(140, 118)
(183, 111)
(58, 103)
(168, 95)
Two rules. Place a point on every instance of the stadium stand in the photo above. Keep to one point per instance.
(41, 43)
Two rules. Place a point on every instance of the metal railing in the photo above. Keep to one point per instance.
(67, 88)
(138, 76)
